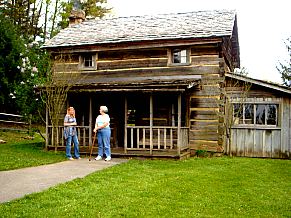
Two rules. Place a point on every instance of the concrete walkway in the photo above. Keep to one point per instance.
(17, 183)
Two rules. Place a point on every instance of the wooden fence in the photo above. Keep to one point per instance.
(156, 138)
(55, 136)
(12, 121)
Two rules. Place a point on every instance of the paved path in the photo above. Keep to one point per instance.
(17, 183)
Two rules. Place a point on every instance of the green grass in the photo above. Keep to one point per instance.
(19, 152)
(198, 187)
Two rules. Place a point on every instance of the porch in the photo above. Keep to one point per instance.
(142, 141)
(147, 118)
(135, 131)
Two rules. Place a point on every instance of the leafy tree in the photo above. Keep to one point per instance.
(92, 9)
(285, 69)
(27, 14)
(11, 47)
(23, 66)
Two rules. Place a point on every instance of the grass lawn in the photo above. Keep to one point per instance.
(19, 152)
(198, 187)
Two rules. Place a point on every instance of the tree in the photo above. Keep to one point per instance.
(92, 9)
(233, 95)
(11, 48)
(54, 94)
(23, 66)
(285, 68)
(27, 14)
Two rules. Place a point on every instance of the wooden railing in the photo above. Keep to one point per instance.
(156, 138)
(55, 136)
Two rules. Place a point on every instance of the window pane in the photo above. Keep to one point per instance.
(176, 56)
(238, 113)
(271, 114)
(183, 56)
(249, 114)
(260, 114)
(88, 61)
(179, 56)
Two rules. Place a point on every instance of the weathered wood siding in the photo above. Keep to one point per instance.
(260, 141)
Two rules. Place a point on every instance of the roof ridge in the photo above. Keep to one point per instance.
(162, 14)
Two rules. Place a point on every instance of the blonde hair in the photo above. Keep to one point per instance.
(104, 109)
(69, 108)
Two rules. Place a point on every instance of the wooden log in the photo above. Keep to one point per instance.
(66, 67)
(132, 54)
(135, 63)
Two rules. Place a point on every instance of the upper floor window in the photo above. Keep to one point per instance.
(180, 56)
(88, 61)
(256, 114)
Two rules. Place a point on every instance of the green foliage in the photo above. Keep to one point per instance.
(44, 19)
(92, 9)
(20, 151)
(11, 47)
(23, 66)
(285, 69)
(216, 187)
(25, 15)
(201, 153)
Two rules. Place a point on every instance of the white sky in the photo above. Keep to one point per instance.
(263, 26)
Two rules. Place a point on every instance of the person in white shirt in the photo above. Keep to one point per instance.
(102, 127)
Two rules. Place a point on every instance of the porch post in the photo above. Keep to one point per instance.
(90, 120)
(46, 127)
(151, 124)
(125, 124)
(179, 125)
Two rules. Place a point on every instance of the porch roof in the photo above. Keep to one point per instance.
(154, 83)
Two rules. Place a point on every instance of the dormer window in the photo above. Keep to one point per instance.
(180, 56)
(88, 61)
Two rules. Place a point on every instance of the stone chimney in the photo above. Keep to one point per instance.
(77, 16)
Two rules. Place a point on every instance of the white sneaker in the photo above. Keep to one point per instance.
(98, 158)
(108, 158)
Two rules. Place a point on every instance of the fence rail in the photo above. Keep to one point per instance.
(11, 118)
(156, 138)
(56, 135)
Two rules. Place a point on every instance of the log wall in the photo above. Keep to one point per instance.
(203, 107)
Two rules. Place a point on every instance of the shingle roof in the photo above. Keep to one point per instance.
(260, 82)
(150, 27)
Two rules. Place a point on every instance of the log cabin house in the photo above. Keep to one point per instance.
(162, 78)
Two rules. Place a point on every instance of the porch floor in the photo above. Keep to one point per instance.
(119, 152)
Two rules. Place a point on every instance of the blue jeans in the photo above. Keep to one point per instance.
(76, 146)
(103, 136)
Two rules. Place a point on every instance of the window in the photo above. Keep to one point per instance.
(180, 56)
(256, 114)
(88, 61)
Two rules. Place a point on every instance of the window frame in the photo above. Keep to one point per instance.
(82, 61)
(254, 118)
(171, 56)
